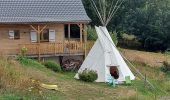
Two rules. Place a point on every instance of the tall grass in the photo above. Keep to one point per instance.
(11, 75)
(16, 81)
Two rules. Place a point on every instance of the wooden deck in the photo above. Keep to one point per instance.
(51, 49)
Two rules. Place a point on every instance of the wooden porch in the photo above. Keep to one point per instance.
(57, 43)
(65, 48)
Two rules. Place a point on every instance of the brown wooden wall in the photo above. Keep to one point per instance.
(10, 46)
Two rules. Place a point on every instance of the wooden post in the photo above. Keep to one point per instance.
(69, 37)
(38, 36)
(145, 82)
(136, 94)
(81, 34)
(85, 40)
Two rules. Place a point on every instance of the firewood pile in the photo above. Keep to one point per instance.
(71, 65)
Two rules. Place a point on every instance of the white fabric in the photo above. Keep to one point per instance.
(52, 35)
(33, 36)
(11, 34)
(104, 54)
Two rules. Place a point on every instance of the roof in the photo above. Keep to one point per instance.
(38, 11)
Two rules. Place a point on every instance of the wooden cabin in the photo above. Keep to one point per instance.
(45, 27)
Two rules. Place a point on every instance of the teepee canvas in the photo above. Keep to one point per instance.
(104, 56)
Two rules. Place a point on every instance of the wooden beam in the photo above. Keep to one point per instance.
(38, 42)
(69, 36)
(81, 34)
(43, 28)
(85, 40)
(34, 28)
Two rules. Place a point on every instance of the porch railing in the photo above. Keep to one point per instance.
(67, 47)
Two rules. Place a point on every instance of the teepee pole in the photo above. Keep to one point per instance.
(97, 11)
(117, 6)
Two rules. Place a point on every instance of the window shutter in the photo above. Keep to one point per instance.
(11, 34)
(52, 35)
(33, 36)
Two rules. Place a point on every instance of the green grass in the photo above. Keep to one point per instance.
(168, 52)
(30, 62)
(72, 89)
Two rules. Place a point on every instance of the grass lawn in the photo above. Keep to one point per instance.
(71, 89)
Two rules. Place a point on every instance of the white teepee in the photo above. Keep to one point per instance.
(103, 56)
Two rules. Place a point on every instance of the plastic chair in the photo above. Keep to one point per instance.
(127, 80)
(111, 81)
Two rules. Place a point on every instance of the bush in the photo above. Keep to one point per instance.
(52, 65)
(29, 62)
(23, 51)
(154, 44)
(91, 34)
(88, 75)
(166, 67)
(114, 38)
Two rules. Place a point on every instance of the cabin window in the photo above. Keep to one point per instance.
(44, 37)
(74, 31)
(16, 34)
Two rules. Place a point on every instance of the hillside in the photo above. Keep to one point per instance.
(17, 82)
(149, 58)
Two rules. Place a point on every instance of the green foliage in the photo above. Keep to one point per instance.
(52, 65)
(167, 52)
(29, 62)
(23, 51)
(91, 33)
(149, 21)
(153, 44)
(88, 75)
(114, 37)
(129, 41)
(128, 37)
(166, 67)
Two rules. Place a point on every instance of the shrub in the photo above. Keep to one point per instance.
(88, 75)
(114, 38)
(91, 34)
(166, 67)
(52, 65)
(128, 37)
(29, 62)
(154, 44)
(23, 51)
(167, 52)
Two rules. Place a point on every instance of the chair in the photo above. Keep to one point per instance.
(111, 81)
(127, 80)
